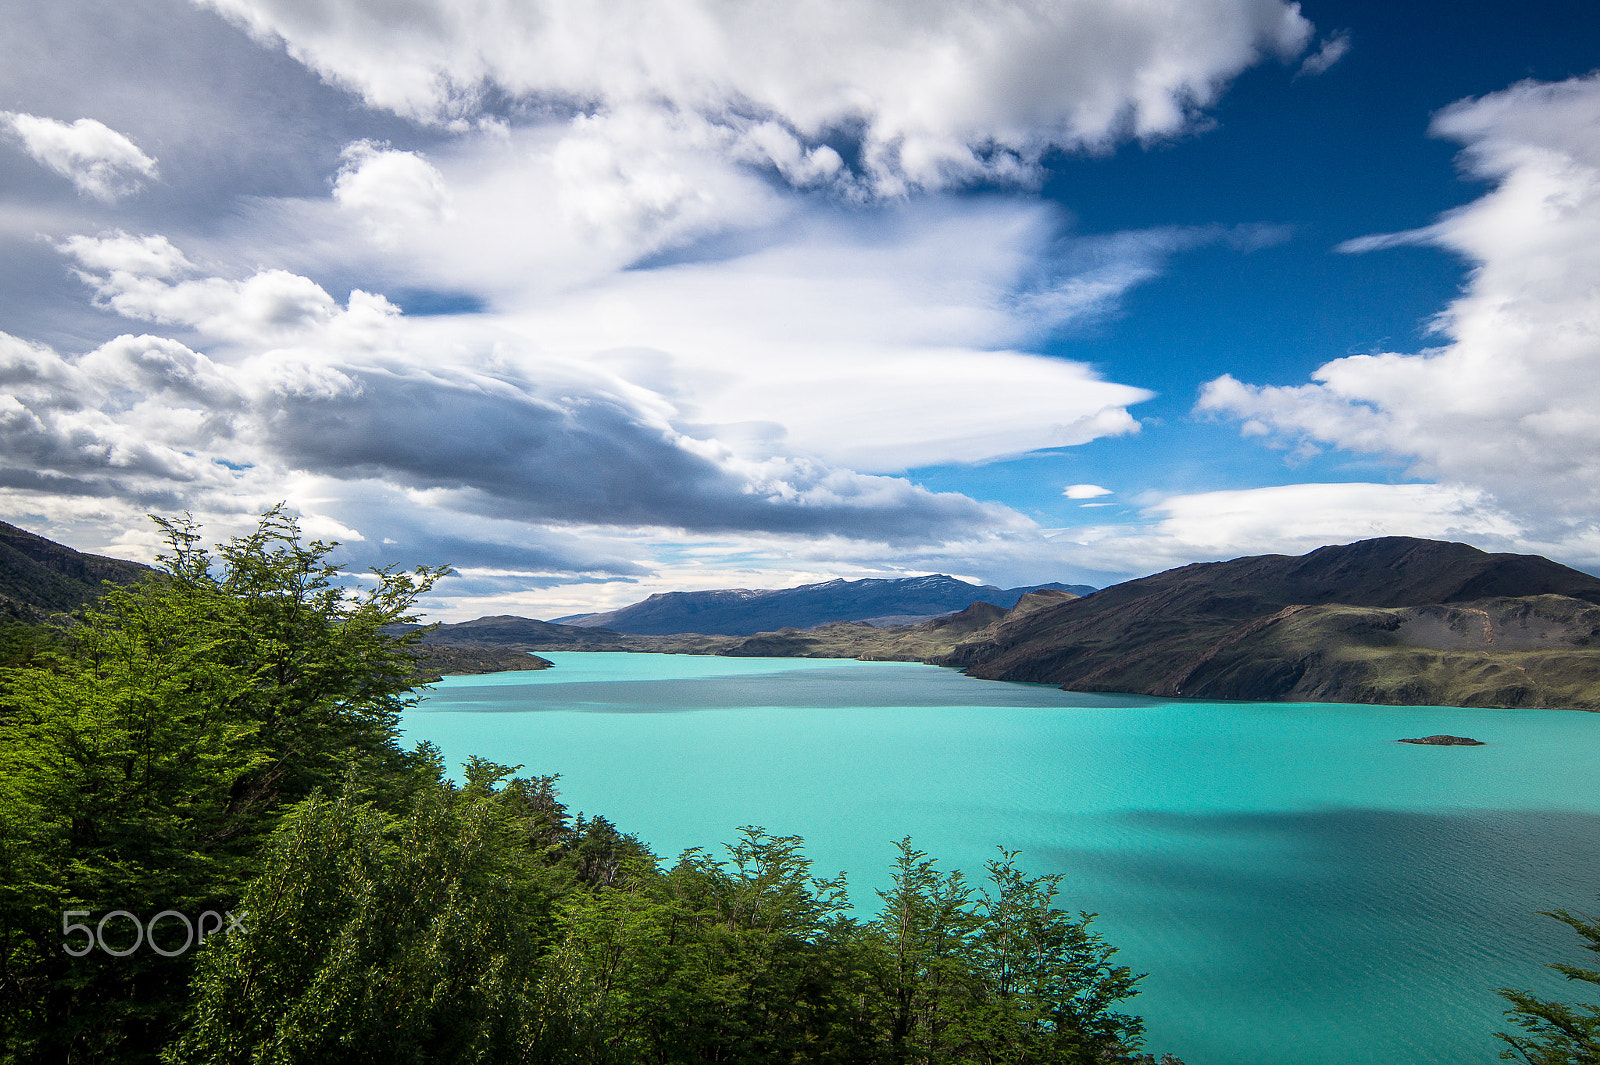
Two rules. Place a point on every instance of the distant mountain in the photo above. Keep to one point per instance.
(40, 577)
(745, 612)
(1391, 620)
(925, 641)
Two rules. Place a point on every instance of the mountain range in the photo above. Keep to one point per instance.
(1390, 620)
(744, 612)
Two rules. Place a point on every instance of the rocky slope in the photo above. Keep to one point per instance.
(40, 577)
(1392, 620)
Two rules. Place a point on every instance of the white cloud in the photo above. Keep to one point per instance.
(1085, 491)
(147, 421)
(1091, 274)
(771, 143)
(1295, 518)
(1509, 404)
(475, 415)
(940, 92)
(138, 278)
(530, 211)
(157, 367)
(641, 178)
(1333, 49)
(1291, 520)
(125, 421)
(392, 189)
(100, 161)
(119, 253)
(884, 344)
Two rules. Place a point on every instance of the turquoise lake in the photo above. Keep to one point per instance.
(1302, 889)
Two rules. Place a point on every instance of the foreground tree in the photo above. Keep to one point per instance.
(1557, 1033)
(1000, 975)
(928, 931)
(1050, 980)
(752, 959)
(746, 959)
(484, 925)
(144, 761)
(378, 939)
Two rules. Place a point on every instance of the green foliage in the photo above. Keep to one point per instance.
(929, 930)
(747, 959)
(1557, 1033)
(752, 959)
(22, 642)
(371, 939)
(485, 925)
(1000, 977)
(142, 764)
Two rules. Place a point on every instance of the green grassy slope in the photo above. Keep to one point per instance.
(1536, 651)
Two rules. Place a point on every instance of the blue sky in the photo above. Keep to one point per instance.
(594, 300)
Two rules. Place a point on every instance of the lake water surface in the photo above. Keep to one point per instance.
(1301, 889)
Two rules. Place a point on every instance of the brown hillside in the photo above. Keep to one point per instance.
(1383, 620)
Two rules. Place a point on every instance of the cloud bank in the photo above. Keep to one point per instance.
(470, 421)
(927, 95)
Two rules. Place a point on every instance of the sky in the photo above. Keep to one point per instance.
(594, 299)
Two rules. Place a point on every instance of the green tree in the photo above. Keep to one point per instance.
(928, 930)
(143, 763)
(746, 959)
(1051, 987)
(485, 926)
(22, 642)
(1000, 975)
(1557, 1033)
(376, 939)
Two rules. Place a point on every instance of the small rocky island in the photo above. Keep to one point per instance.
(1445, 741)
